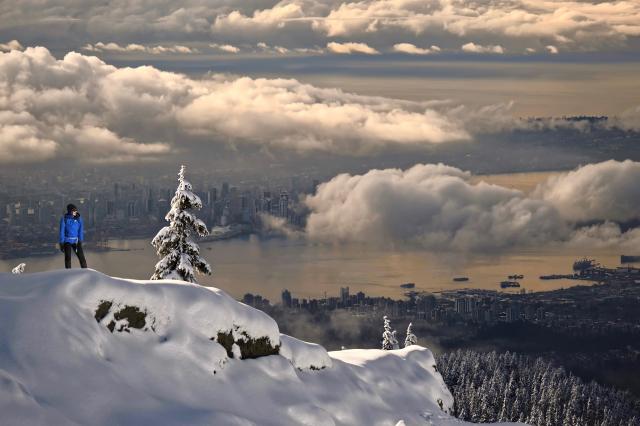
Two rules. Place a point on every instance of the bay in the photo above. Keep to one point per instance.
(311, 270)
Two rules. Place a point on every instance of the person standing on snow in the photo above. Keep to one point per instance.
(71, 236)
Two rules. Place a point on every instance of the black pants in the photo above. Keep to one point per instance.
(77, 248)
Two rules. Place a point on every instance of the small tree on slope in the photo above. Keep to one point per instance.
(411, 338)
(179, 254)
(387, 335)
(19, 269)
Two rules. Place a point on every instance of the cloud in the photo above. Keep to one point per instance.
(606, 235)
(225, 48)
(476, 48)
(430, 205)
(144, 112)
(310, 50)
(104, 146)
(298, 116)
(628, 120)
(602, 191)
(21, 143)
(298, 24)
(147, 113)
(349, 48)
(414, 50)
(132, 47)
(575, 24)
(264, 47)
(438, 207)
(51, 109)
(274, 17)
(278, 226)
(12, 45)
(552, 49)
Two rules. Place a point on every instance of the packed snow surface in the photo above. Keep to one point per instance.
(60, 363)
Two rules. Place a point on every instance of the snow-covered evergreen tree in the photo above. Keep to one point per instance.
(490, 387)
(19, 269)
(179, 254)
(411, 338)
(387, 335)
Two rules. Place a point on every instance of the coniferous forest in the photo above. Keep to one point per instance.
(489, 387)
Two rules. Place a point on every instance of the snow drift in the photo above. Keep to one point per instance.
(79, 347)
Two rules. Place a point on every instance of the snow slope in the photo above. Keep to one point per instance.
(60, 365)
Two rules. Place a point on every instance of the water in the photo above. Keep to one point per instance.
(254, 265)
(309, 270)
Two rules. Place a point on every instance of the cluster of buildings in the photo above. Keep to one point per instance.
(133, 209)
(601, 308)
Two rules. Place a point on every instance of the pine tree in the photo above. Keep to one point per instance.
(19, 269)
(509, 387)
(387, 335)
(411, 338)
(179, 254)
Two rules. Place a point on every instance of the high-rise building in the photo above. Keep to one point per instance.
(286, 298)
(344, 295)
(284, 204)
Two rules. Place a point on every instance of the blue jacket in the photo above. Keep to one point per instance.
(71, 229)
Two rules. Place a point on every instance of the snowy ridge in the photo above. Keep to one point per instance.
(61, 364)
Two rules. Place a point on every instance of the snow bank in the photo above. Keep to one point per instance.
(304, 355)
(61, 363)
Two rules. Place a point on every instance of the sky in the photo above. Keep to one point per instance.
(395, 104)
(115, 82)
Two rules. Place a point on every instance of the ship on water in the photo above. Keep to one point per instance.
(516, 277)
(460, 279)
(408, 285)
(584, 264)
(508, 284)
(629, 259)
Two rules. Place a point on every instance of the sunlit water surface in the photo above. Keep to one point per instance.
(267, 266)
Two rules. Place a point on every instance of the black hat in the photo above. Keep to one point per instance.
(71, 207)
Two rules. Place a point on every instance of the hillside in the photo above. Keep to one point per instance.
(79, 347)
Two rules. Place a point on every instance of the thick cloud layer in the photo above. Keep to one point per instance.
(438, 207)
(603, 191)
(83, 108)
(518, 26)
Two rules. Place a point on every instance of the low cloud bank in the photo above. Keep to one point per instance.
(604, 191)
(138, 48)
(478, 48)
(80, 107)
(350, 48)
(437, 206)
